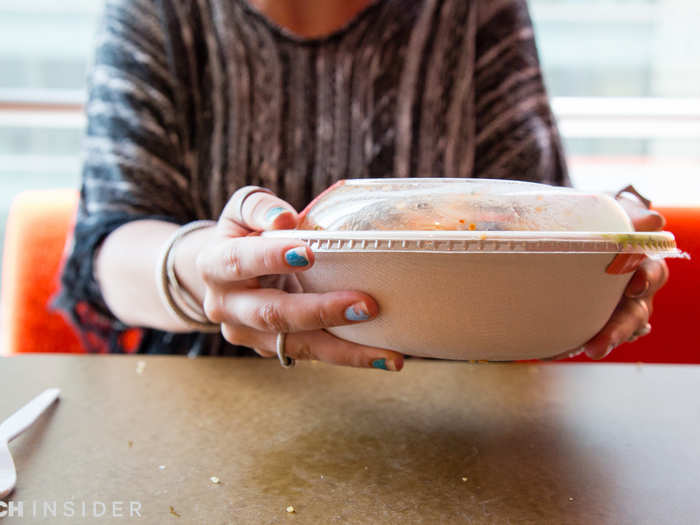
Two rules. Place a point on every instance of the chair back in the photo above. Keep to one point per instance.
(676, 305)
(35, 237)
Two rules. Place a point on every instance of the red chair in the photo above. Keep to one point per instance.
(40, 221)
(37, 227)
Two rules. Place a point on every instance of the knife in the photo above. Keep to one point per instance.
(18, 422)
(12, 427)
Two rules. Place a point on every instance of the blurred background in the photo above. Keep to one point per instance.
(624, 76)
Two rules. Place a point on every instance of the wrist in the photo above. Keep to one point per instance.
(176, 298)
(185, 254)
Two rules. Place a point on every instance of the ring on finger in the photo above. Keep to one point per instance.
(240, 196)
(285, 360)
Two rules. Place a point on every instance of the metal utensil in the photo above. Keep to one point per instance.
(12, 427)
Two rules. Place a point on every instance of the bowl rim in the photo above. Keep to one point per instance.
(661, 244)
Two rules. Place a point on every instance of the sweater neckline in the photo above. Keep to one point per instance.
(286, 34)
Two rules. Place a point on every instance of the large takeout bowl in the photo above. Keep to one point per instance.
(475, 293)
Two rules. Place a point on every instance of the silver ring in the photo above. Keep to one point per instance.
(241, 195)
(285, 360)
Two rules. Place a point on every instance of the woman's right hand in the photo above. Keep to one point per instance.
(251, 315)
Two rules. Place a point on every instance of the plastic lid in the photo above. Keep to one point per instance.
(654, 244)
(481, 205)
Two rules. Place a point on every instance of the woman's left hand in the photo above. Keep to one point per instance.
(630, 320)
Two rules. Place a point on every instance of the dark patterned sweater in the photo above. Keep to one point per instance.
(191, 99)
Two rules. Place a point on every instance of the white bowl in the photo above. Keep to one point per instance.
(474, 269)
(474, 295)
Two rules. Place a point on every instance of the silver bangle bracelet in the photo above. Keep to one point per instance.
(174, 296)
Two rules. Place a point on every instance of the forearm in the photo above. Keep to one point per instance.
(125, 268)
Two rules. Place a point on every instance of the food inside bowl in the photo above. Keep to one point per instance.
(461, 205)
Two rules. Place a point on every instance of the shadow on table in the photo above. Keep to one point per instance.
(484, 465)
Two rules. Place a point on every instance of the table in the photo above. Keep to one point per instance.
(440, 442)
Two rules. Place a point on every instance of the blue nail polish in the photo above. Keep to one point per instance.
(356, 313)
(273, 213)
(296, 257)
(380, 363)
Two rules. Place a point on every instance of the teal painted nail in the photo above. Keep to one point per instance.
(356, 312)
(273, 213)
(380, 363)
(296, 257)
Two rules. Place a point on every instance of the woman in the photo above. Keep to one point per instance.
(192, 100)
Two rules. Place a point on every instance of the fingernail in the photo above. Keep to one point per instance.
(297, 257)
(385, 364)
(639, 290)
(273, 213)
(576, 353)
(357, 312)
(595, 354)
(610, 348)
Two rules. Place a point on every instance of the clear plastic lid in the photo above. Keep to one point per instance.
(480, 205)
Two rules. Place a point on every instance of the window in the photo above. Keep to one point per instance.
(624, 76)
(44, 48)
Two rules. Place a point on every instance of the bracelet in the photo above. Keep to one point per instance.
(178, 301)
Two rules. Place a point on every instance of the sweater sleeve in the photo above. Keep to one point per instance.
(516, 133)
(134, 167)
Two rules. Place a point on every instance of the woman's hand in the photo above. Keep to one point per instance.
(630, 320)
(232, 267)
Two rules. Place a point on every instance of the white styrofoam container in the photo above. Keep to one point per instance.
(472, 268)
(478, 295)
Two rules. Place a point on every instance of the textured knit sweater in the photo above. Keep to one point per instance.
(192, 99)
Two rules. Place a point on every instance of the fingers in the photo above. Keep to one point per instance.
(257, 209)
(651, 276)
(645, 220)
(274, 311)
(316, 345)
(630, 318)
(245, 258)
(642, 218)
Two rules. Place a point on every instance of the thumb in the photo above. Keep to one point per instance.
(643, 219)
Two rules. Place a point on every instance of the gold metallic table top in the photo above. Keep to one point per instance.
(440, 442)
